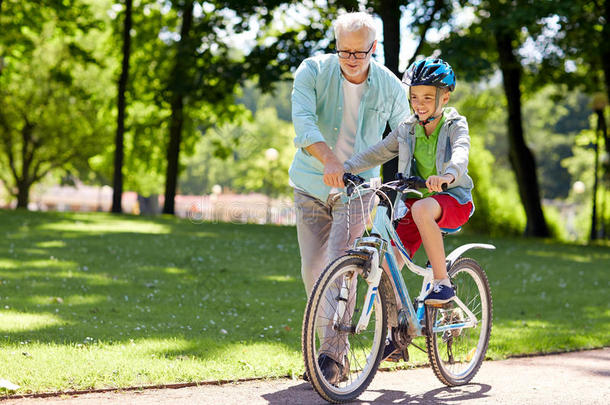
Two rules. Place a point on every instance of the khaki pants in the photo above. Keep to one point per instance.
(323, 236)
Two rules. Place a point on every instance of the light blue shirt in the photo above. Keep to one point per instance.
(317, 102)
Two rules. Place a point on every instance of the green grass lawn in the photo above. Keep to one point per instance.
(94, 300)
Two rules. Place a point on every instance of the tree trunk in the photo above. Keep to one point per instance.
(23, 194)
(177, 105)
(521, 158)
(389, 11)
(605, 55)
(593, 233)
(117, 182)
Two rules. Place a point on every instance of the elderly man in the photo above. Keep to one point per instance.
(341, 104)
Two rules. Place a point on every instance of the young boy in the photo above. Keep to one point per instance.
(433, 144)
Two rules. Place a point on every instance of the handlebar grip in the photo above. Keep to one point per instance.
(417, 182)
(349, 178)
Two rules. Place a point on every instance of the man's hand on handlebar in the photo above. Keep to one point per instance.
(333, 172)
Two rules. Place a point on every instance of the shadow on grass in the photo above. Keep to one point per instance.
(110, 279)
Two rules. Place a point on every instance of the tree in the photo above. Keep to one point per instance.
(585, 47)
(234, 156)
(425, 14)
(184, 56)
(207, 69)
(521, 158)
(117, 182)
(49, 94)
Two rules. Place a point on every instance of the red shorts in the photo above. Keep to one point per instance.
(453, 215)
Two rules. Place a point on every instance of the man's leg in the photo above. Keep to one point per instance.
(314, 223)
(341, 239)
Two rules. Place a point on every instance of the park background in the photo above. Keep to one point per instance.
(182, 108)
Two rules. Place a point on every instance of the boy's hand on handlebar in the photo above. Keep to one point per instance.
(333, 172)
(435, 183)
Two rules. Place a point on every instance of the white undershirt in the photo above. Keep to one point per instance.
(344, 149)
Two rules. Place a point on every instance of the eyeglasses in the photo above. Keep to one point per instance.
(356, 55)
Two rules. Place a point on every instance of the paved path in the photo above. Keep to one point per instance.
(574, 378)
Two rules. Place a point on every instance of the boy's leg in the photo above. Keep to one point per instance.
(407, 230)
(425, 214)
(430, 214)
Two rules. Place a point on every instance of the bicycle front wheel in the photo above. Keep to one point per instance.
(333, 310)
(456, 354)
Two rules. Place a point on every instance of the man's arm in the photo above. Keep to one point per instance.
(308, 135)
(333, 168)
(304, 116)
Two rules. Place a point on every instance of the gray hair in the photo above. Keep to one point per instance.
(351, 22)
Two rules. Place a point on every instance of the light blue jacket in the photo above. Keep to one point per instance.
(317, 102)
(451, 153)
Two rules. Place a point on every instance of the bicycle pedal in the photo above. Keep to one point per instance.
(447, 305)
(398, 356)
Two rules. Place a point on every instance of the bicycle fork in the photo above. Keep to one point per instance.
(373, 278)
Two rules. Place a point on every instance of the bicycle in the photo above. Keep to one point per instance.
(354, 304)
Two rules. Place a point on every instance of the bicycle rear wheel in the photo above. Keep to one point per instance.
(456, 354)
(329, 324)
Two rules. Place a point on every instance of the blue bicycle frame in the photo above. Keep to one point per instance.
(383, 231)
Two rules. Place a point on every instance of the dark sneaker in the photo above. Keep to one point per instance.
(441, 294)
(332, 371)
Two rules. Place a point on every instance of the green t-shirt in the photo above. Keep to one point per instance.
(425, 153)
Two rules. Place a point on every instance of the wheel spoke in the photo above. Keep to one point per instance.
(360, 350)
(456, 354)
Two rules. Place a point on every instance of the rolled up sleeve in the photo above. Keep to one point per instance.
(304, 115)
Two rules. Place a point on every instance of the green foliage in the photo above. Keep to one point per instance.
(581, 46)
(496, 211)
(556, 223)
(52, 96)
(234, 157)
(551, 129)
(580, 166)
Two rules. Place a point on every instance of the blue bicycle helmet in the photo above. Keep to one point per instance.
(430, 72)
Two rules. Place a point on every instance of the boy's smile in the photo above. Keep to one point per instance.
(423, 101)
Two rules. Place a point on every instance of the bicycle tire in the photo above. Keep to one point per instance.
(457, 355)
(364, 350)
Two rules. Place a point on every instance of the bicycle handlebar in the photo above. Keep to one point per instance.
(414, 182)
(402, 183)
